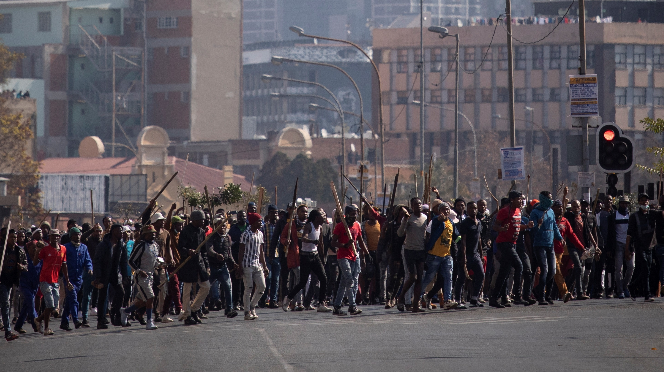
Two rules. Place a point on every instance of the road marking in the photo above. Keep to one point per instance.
(275, 352)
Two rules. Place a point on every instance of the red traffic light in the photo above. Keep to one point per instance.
(609, 135)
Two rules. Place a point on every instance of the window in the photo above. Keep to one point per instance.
(469, 95)
(184, 96)
(572, 57)
(402, 97)
(82, 66)
(436, 96)
(520, 54)
(101, 20)
(110, 20)
(621, 57)
(554, 57)
(487, 65)
(451, 59)
(520, 95)
(503, 95)
(538, 58)
(658, 57)
(538, 95)
(44, 22)
(639, 96)
(416, 59)
(402, 61)
(658, 97)
(640, 57)
(416, 95)
(487, 95)
(502, 58)
(167, 22)
(450, 96)
(138, 26)
(590, 56)
(184, 52)
(436, 60)
(150, 54)
(469, 59)
(621, 96)
(555, 95)
(6, 24)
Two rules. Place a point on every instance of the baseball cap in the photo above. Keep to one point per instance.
(55, 232)
(157, 217)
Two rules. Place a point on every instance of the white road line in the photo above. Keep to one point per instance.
(275, 352)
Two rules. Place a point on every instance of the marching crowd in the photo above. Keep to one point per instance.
(455, 254)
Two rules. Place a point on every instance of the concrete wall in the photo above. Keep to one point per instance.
(25, 24)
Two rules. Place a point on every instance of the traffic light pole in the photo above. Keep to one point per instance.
(585, 191)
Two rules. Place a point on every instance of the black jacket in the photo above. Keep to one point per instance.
(110, 263)
(190, 238)
(14, 264)
(219, 251)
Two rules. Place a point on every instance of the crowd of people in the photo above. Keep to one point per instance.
(455, 254)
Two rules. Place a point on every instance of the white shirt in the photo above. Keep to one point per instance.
(313, 235)
(252, 246)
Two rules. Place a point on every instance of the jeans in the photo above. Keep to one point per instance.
(474, 264)
(508, 259)
(310, 264)
(659, 252)
(623, 281)
(574, 280)
(28, 311)
(272, 281)
(350, 272)
(332, 275)
(222, 276)
(116, 303)
(443, 266)
(253, 274)
(643, 262)
(603, 272)
(4, 305)
(71, 306)
(546, 260)
(527, 274)
(188, 305)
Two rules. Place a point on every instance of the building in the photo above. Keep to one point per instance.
(194, 50)
(627, 57)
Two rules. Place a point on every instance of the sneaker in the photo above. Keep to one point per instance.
(9, 336)
(542, 302)
(323, 309)
(48, 332)
(584, 297)
(285, 303)
(621, 296)
(427, 301)
(496, 304)
(273, 305)
(529, 302)
(77, 324)
(123, 317)
(253, 313)
(461, 307)
(141, 319)
(568, 296)
(201, 314)
(190, 321)
(102, 326)
(150, 326)
(506, 304)
(649, 299)
(65, 327)
(182, 316)
(550, 301)
(401, 306)
(299, 308)
(310, 307)
(338, 311)
(21, 331)
(231, 314)
(248, 316)
(166, 319)
(449, 305)
(196, 318)
(354, 310)
(93, 311)
(519, 302)
(475, 303)
(157, 319)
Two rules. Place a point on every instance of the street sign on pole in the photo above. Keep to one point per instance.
(511, 162)
(583, 96)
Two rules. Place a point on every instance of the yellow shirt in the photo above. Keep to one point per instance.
(373, 234)
(442, 246)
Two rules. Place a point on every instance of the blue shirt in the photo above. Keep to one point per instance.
(543, 235)
(130, 248)
(30, 278)
(78, 262)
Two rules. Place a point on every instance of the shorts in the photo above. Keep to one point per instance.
(51, 292)
(143, 287)
(413, 259)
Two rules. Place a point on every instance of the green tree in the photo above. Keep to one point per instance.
(655, 126)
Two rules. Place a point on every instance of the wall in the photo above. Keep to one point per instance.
(25, 24)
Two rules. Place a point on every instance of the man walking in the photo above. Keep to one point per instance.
(78, 264)
(414, 229)
(110, 271)
(640, 232)
(543, 233)
(196, 270)
(13, 265)
(253, 267)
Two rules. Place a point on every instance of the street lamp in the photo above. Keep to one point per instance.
(472, 128)
(443, 33)
(267, 78)
(276, 96)
(276, 60)
(300, 32)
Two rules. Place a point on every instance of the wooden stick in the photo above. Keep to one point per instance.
(92, 207)
(251, 187)
(44, 219)
(292, 218)
(490, 193)
(384, 192)
(595, 201)
(356, 190)
(57, 218)
(261, 195)
(160, 192)
(528, 190)
(2, 259)
(209, 202)
(276, 201)
(394, 191)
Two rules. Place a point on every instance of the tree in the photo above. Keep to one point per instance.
(655, 126)
(15, 161)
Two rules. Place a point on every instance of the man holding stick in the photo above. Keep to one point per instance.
(196, 270)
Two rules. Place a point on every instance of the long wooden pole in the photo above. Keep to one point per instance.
(4, 248)
(160, 192)
(292, 218)
(92, 208)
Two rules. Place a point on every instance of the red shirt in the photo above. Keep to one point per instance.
(340, 232)
(566, 231)
(52, 262)
(512, 217)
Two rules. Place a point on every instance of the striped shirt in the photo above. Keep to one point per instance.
(252, 246)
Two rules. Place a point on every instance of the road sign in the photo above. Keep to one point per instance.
(583, 95)
(511, 162)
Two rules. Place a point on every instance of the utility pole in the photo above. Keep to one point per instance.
(422, 94)
(510, 74)
(456, 121)
(585, 191)
(113, 107)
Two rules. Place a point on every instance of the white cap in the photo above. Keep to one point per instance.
(156, 217)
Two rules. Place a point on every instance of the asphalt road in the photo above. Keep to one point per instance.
(593, 335)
